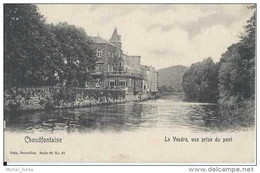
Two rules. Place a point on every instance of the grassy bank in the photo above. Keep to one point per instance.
(241, 114)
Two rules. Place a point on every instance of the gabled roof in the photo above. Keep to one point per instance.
(99, 39)
(115, 37)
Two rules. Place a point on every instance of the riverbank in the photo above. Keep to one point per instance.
(235, 114)
(48, 98)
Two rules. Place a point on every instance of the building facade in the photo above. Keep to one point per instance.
(150, 80)
(115, 69)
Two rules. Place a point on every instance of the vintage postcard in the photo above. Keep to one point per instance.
(134, 84)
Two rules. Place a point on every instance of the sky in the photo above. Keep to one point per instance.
(163, 35)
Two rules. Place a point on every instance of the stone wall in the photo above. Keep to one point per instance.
(44, 98)
(56, 97)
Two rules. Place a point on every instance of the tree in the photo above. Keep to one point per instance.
(78, 59)
(170, 89)
(237, 67)
(200, 81)
(246, 50)
(163, 89)
(30, 47)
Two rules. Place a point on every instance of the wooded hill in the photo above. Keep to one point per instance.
(170, 78)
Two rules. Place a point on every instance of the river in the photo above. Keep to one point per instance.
(130, 132)
(168, 112)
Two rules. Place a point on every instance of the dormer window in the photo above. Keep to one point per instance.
(99, 53)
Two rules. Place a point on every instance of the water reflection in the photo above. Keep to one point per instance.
(169, 113)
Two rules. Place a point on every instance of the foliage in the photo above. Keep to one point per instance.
(78, 59)
(171, 77)
(241, 114)
(200, 81)
(237, 68)
(56, 97)
(232, 80)
(165, 89)
(30, 47)
(38, 54)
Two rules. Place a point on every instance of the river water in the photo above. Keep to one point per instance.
(169, 113)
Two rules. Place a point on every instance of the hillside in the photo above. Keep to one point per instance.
(172, 76)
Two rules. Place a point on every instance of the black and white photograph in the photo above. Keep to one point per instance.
(163, 84)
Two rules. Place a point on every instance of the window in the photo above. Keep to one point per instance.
(109, 54)
(121, 82)
(98, 83)
(110, 68)
(112, 82)
(121, 63)
(99, 53)
(129, 83)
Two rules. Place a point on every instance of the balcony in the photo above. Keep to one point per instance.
(118, 74)
(124, 74)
